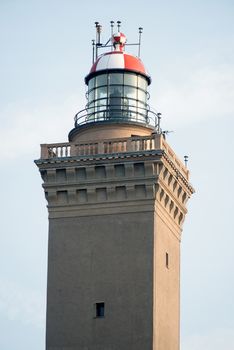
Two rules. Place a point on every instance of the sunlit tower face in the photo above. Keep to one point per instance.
(117, 87)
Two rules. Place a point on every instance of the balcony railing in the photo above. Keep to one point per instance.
(112, 146)
(116, 113)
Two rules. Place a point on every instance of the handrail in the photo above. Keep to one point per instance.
(116, 113)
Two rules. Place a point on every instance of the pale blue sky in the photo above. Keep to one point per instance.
(45, 54)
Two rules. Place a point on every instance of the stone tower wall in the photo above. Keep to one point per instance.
(113, 217)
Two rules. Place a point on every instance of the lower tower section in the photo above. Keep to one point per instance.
(116, 208)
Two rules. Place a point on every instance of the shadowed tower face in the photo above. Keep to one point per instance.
(117, 197)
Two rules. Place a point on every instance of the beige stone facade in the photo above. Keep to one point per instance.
(117, 200)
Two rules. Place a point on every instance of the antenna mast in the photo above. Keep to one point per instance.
(112, 31)
(98, 36)
(139, 42)
(93, 44)
(118, 25)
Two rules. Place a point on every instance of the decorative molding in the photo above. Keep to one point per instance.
(117, 177)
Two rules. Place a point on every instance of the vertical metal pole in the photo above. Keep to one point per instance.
(118, 25)
(96, 24)
(93, 43)
(112, 32)
(139, 43)
(159, 123)
(99, 29)
(112, 27)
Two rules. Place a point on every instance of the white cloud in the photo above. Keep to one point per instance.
(26, 128)
(21, 304)
(204, 93)
(216, 340)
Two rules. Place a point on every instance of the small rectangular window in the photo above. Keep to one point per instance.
(100, 309)
(167, 260)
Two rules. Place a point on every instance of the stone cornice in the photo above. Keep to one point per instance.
(89, 159)
(115, 157)
(115, 175)
(178, 173)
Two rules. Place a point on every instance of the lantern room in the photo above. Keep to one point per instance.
(116, 85)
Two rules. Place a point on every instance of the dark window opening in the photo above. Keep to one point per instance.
(100, 309)
(167, 260)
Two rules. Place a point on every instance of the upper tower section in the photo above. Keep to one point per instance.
(117, 85)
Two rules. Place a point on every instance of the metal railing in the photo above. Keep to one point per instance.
(116, 113)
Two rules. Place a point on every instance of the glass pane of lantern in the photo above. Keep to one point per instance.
(90, 105)
(132, 103)
(116, 78)
(130, 92)
(115, 91)
(142, 108)
(115, 101)
(142, 83)
(90, 111)
(101, 80)
(130, 79)
(100, 108)
(92, 95)
(92, 83)
(141, 95)
(101, 93)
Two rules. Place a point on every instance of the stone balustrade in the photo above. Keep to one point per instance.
(111, 146)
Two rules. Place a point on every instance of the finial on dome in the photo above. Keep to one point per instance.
(119, 41)
(118, 25)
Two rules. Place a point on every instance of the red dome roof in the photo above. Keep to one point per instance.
(118, 60)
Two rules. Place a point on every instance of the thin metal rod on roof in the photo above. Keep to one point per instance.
(139, 43)
(98, 36)
(96, 24)
(112, 27)
(118, 25)
(93, 44)
(112, 31)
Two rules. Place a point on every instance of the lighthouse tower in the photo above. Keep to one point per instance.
(117, 196)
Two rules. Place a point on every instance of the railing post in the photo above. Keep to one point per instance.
(129, 145)
(101, 147)
(72, 150)
(157, 141)
(44, 151)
